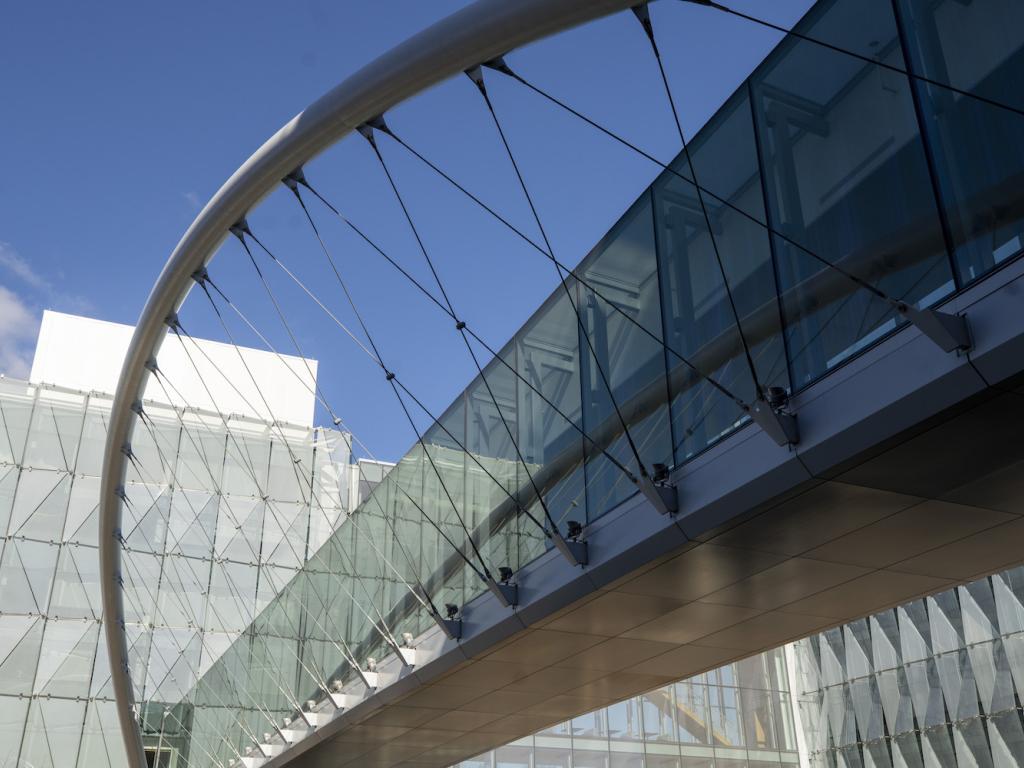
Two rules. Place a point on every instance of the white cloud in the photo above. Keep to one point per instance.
(17, 266)
(192, 199)
(40, 289)
(19, 326)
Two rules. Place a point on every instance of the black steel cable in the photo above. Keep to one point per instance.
(460, 325)
(643, 16)
(476, 337)
(839, 49)
(426, 602)
(391, 378)
(504, 69)
(291, 454)
(561, 276)
(578, 278)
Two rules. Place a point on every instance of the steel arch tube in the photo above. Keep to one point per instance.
(478, 33)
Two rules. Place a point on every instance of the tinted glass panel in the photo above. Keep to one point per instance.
(979, 148)
(548, 357)
(700, 323)
(847, 180)
(620, 304)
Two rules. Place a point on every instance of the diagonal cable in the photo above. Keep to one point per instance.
(424, 599)
(955, 341)
(392, 379)
(867, 59)
(476, 337)
(643, 15)
(477, 77)
(314, 498)
(460, 325)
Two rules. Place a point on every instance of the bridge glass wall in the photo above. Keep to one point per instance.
(737, 716)
(822, 166)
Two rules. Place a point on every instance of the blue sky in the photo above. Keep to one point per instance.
(121, 119)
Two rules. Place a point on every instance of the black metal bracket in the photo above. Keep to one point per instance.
(778, 424)
(664, 496)
(574, 550)
(950, 332)
(507, 594)
(451, 627)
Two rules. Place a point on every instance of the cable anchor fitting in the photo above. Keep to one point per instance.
(476, 74)
(506, 592)
(451, 622)
(240, 229)
(571, 546)
(295, 179)
(374, 123)
(498, 65)
(643, 15)
(949, 332)
(659, 490)
(770, 411)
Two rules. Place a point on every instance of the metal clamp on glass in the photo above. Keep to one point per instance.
(574, 550)
(769, 412)
(506, 592)
(949, 332)
(452, 624)
(659, 491)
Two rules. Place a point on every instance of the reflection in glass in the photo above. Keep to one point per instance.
(847, 178)
(978, 147)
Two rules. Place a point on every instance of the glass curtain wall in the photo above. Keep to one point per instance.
(203, 556)
(738, 716)
(937, 681)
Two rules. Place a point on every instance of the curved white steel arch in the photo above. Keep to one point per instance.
(484, 30)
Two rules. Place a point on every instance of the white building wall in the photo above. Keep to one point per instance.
(86, 354)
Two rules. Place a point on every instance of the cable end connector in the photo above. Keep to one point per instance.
(389, 376)
(451, 622)
(659, 490)
(506, 592)
(295, 179)
(151, 366)
(201, 276)
(137, 409)
(374, 124)
(949, 332)
(172, 322)
(460, 325)
(476, 74)
(572, 547)
(643, 15)
(498, 65)
(770, 412)
(240, 229)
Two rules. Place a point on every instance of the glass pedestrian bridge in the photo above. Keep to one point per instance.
(827, 270)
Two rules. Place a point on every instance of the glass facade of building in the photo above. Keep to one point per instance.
(935, 682)
(738, 716)
(203, 556)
